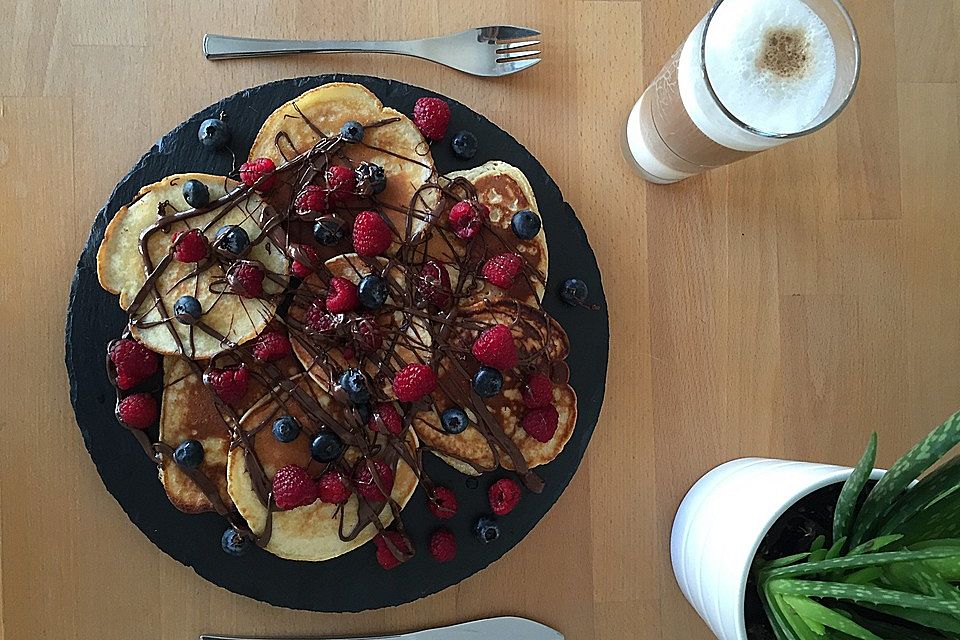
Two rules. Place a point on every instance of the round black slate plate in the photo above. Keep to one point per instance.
(352, 582)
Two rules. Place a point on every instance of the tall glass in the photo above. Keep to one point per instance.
(752, 75)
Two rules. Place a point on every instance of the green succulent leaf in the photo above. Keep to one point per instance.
(786, 561)
(856, 562)
(852, 488)
(860, 593)
(940, 482)
(814, 612)
(872, 546)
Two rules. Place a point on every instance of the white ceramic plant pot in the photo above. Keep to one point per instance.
(721, 523)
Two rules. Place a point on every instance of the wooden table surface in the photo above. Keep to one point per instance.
(786, 306)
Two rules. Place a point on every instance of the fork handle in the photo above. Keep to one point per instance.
(216, 47)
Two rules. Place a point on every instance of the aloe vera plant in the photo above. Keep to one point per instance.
(892, 565)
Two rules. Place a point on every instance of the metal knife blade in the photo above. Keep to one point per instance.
(504, 628)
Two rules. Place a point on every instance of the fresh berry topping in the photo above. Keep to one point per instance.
(333, 487)
(271, 346)
(371, 178)
(214, 133)
(286, 429)
(259, 173)
(504, 496)
(196, 194)
(189, 246)
(326, 446)
(464, 145)
(432, 116)
(443, 545)
(188, 454)
(234, 543)
(385, 555)
(502, 270)
(311, 198)
(293, 487)
(229, 384)
(443, 503)
(354, 384)
(486, 529)
(495, 348)
(386, 418)
(372, 291)
(466, 218)
(574, 292)
(138, 411)
(540, 424)
(454, 420)
(340, 182)
(303, 269)
(371, 235)
(246, 279)
(525, 224)
(341, 295)
(413, 382)
(367, 334)
(328, 232)
(487, 382)
(433, 284)
(232, 239)
(187, 310)
(373, 490)
(133, 362)
(319, 320)
(351, 131)
(538, 392)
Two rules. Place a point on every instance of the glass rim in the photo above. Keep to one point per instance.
(780, 136)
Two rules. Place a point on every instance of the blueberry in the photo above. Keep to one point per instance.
(187, 310)
(214, 133)
(464, 145)
(454, 420)
(486, 529)
(234, 543)
(286, 428)
(354, 384)
(574, 292)
(326, 447)
(351, 131)
(233, 239)
(487, 382)
(525, 224)
(196, 194)
(188, 454)
(372, 176)
(372, 291)
(328, 232)
(363, 412)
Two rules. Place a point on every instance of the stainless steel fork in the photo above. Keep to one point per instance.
(484, 51)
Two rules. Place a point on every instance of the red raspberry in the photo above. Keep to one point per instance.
(319, 320)
(133, 361)
(385, 555)
(443, 503)
(502, 270)
(138, 411)
(443, 545)
(371, 235)
(302, 269)
(365, 484)
(229, 384)
(189, 246)
(541, 424)
(385, 413)
(293, 487)
(254, 170)
(433, 284)
(311, 198)
(413, 382)
(342, 295)
(271, 346)
(333, 487)
(466, 218)
(504, 496)
(341, 182)
(367, 334)
(538, 392)
(246, 279)
(495, 348)
(432, 116)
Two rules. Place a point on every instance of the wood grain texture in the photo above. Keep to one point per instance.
(785, 306)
